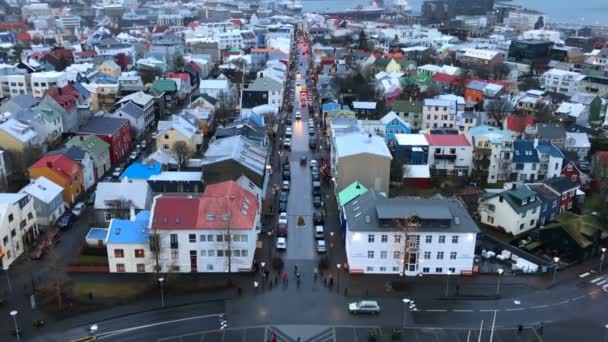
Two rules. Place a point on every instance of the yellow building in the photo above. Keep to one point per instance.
(19, 141)
(103, 96)
(110, 68)
(179, 128)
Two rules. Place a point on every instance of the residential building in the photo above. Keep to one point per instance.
(128, 244)
(438, 113)
(550, 132)
(140, 172)
(566, 189)
(117, 200)
(99, 151)
(578, 143)
(410, 111)
(48, 200)
(169, 88)
(110, 68)
(392, 125)
(492, 153)
(41, 81)
(450, 154)
(145, 103)
(412, 149)
(270, 85)
(116, 132)
(408, 236)
(533, 52)
(214, 88)
(176, 182)
(513, 211)
(18, 226)
(549, 211)
(21, 144)
(179, 128)
(84, 158)
(14, 85)
(103, 95)
(480, 57)
(360, 157)
(214, 232)
(561, 81)
(63, 171)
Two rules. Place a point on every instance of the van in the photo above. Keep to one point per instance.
(319, 232)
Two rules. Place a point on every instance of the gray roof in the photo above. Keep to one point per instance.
(551, 131)
(73, 152)
(103, 125)
(19, 102)
(363, 213)
(132, 110)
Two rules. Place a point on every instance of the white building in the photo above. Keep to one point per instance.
(492, 147)
(17, 225)
(435, 236)
(438, 114)
(561, 81)
(13, 85)
(41, 81)
(552, 36)
(449, 154)
(214, 232)
(128, 245)
(514, 211)
(229, 39)
(48, 200)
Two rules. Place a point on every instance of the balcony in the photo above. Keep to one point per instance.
(441, 156)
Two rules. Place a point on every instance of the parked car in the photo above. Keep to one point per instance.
(287, 144)
(66, 220)
(285, 186)
(282, 232)
(281, 243)
(286, 175)
(312, 145)
(39, 250)
(364, 306)
(303, 160)
(282, 206)
(107, 179)
(315, 177)
(283, 197)
(286, 165)
(288, 132)
(316, 201)
(91, 199)
(283, 219)
(319, 232)
(133, 156)
(78, 209)
(317, 218)
(321, 247)
(288, 121)
(313, 163)
(117, 172)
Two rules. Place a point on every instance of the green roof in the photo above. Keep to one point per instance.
(350, 193)
(581, 228)
(164, 85)
(521, 193)
(91, 143)
(405, 106)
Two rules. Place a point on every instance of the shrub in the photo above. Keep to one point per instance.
(277, 263)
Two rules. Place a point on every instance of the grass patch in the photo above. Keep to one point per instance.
(498, 235)
(81, 290)
(90, 260)
(404, 190)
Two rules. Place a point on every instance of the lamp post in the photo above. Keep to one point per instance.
(269, 244)
(500, 272)
(602, 258)
(8, 279)
(338, 283)
(556, 260)
(447, 283)
(331, 245)
(14, 315)
(162, 293)
(606, 333)
(405, 301)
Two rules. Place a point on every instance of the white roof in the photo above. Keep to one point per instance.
(139, 98)
(437, 102)
(416, 171)
(240, 149)
(481, 54)
(137, 193)
(180, 123)
(571, 109)
(359, 143)
(213, 84)
(580, 140)
(43, 189)
(364, 105)
(18, 130)
(411, 140)
(161, 156)
(177, 176)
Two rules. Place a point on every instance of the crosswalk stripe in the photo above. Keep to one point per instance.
(596, 280)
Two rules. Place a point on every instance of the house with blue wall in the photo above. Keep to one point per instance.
(549, 210)
(412, 149)
(394, 125)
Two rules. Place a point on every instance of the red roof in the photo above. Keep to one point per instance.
(447, 140)
(66, 97)
(195, 66)
(184, 76)
(24, 36)
(60, 163)
(222, 205)
(445, 78)
(10, 25)
(516, 123)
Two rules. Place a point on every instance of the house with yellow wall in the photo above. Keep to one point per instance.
(20, 142)
(180, 128)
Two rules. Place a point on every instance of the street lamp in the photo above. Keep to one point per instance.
(14, 315)
(602, 258)
(606, 334)
(556, 260)
(338, 283)
(162, 293)
(405, 301)
(8, 279)
(500, 272)
(447, 283)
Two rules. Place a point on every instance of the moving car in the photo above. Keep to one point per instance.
(281, 243)
(319, 232)
(283, 219)
(317, 218)
(78, 209)
(364, 306)
(321, 247)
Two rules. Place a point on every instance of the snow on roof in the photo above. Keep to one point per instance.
(43, 189)
(139, 98)
(411, 140)
(214, 84)
(238, 148)
(359, 143)
(364, 105)
(136, 193)
(177, 176)
(416, 171)
(481, 54)
(578, 140)
(18, 130)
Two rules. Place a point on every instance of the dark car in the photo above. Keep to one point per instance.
(316, 191)
(91, 199)
(288, 121)
(316, 201)
(66, 220)
(282, 206)
(318, 219)
(315, 177)
(303, 160)
(286, 175)
(283, 197)
(282, 232)
(312, 145)
(286, 166)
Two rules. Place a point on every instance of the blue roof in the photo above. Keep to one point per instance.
(329, 106)
(141, 171)
(524, 152)
(127, 231)
(97, 233)
(549, 148)
(495, 135)
(81, 89)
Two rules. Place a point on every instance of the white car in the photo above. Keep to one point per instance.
(288, 132)
(313, 163)
(117, 172)
(298, 116)
(364, 306)
(78, 209)
(321, 247)
(281, 243)
(285, 186)
(283, 218)
(319, 232)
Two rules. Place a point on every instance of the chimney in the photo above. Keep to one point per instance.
(49, 164)
(81, 138)
(132, 213)
(514, 186)
(60, 90)
(369, 137)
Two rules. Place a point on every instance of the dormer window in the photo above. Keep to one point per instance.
(532, 199)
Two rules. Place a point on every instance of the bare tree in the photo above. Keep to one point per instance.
(599, 171)
(178, 61)
(182, 152)
(544, 112)
(499, 109)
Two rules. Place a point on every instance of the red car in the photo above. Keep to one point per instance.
(40, 249)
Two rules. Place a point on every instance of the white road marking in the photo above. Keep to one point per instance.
(563, 302)
(462, 310)
(596, 280)
(436, 310)
(584, 274)
(602, 282)
(487, 310)
(539, 306)
(515, 309)
(578, 298)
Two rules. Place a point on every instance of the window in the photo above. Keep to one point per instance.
(396, 255)
(244, 253)
(202, 238)
(441, 238)
(139, 253)
(370, 254)
(452, 255)
(369, 269)
(382, 269)
(395, 269)
(244, 238)
(192, 237)
(427, 255)
(454, 238)
(492, 207)
(521, 226)
(13, 233)
(120, 268)
(165, 146)
(166, 136)
(438, 270)
(397, 238)
(219, 238)
(220, 252)
(425, 270)
(30, 216)
(209, 238)
(226, 238)
(384, 238)
(370, 238)
(5, 240)
(141, 268)
(10, 218)
(203, 253)
(429, 239)
(209, 267)
(452, 270)
(570, 205)
(237, 252)
(383, 254)
(211, 253)
(174, 254)
(440, 255)
(119, 253)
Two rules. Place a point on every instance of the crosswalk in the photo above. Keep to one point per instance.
(600, 281)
